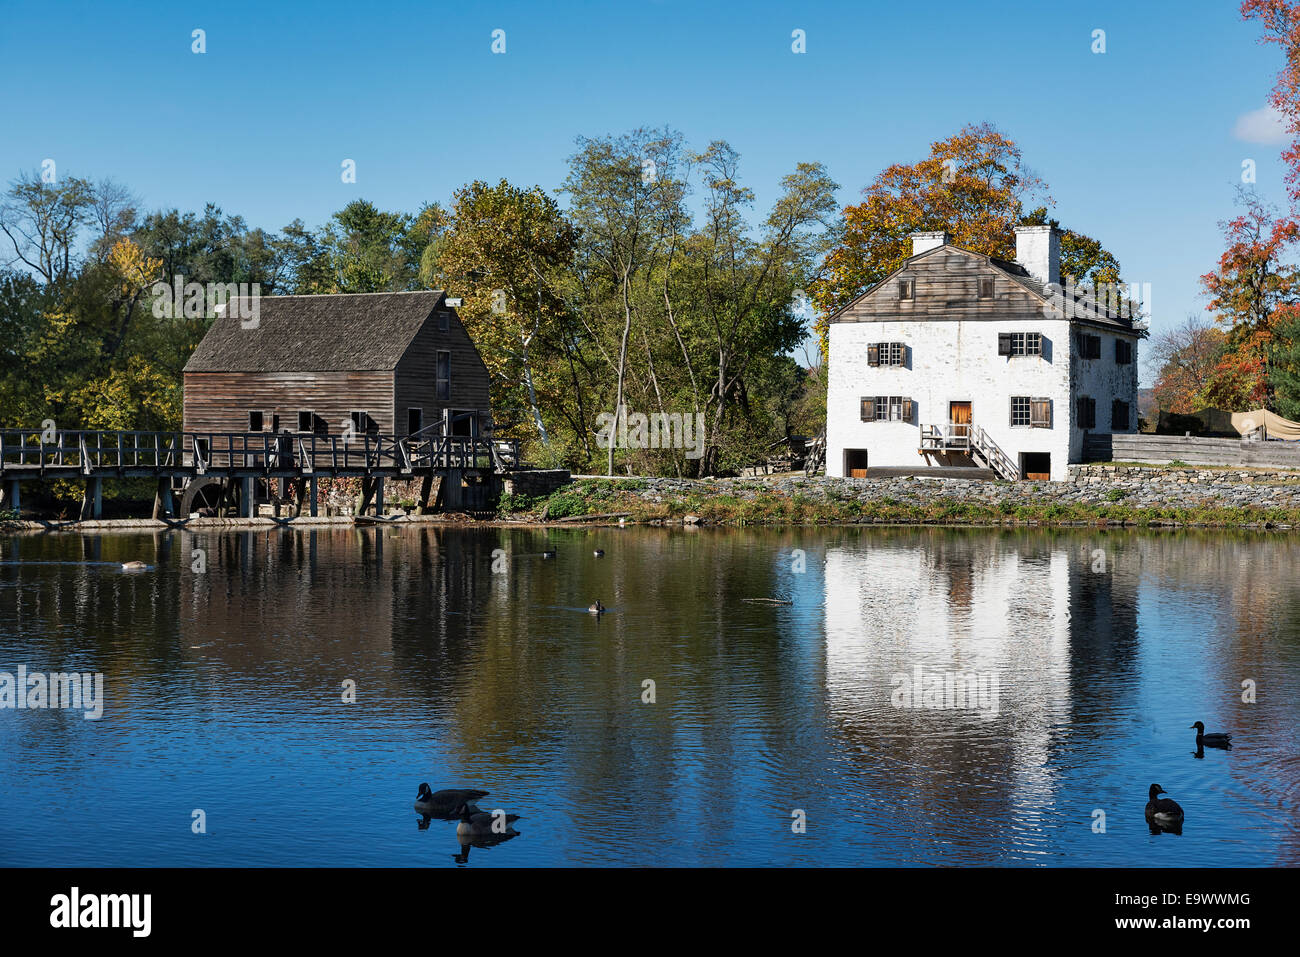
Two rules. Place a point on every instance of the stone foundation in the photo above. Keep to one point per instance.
(535, 483)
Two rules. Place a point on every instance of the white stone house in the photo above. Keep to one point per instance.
(960, 359)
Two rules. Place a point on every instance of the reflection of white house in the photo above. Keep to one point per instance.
(962, 359)
(992, 609)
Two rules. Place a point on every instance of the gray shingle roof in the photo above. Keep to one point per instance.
(338, 333)
(1085, 307)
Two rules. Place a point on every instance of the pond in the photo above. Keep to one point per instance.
(928, 696)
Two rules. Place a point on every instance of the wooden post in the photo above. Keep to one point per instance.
(13, 501)
(311, 483)
(162, 500)
(92, 503)
(363, 500)
(452, 493)
(426, 486)
(299, 496)
(379, 498)
(246, 495)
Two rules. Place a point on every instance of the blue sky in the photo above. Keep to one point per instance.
(1137, 144)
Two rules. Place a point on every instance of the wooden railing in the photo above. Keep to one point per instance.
(992, 453)
(952, 437)
(34, 452)
(86, 451)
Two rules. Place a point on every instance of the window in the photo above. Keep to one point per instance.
(886, 354)
(1089, 346)
(255, 421)
(444, 320)
(1020, 344)
(1086, 412)
(986, 287)
(886, 408)
(306, 421)
(1119, 416)
(907, 289)
(444, 375)
(1123, 351)
(1020, 410)
(1035, 413)
(362, 422)
(414, 421)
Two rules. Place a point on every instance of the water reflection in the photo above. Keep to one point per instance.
(228, 666)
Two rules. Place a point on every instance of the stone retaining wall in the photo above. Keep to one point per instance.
(536, 482)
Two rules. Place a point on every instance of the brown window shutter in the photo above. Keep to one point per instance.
(1004, 343)
(873, 354)
(868, 411)
(907, 410)
(1040, 413)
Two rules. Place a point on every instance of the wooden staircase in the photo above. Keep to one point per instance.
(983, 447)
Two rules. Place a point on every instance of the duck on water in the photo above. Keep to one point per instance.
(475, 823)
(1163, 812)
(446, 803)
(1211, 740)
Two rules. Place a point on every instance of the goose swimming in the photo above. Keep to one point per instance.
(1163, 811)
(596, 608)
(446, 803)
(548, 553)
(478, 823)
(134, 566)
(1211, 740)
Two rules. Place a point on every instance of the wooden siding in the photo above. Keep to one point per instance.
(221, 401)
(947, 288)
(415, 381)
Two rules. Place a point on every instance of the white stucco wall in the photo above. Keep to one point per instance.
(1105, 380)
(954, 360)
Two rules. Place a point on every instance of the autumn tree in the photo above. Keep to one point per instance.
(1251, 289)
(974, 185)
(1183, 359)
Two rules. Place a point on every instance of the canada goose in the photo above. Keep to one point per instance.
(548, 553)
(1163, 810)
(599, 553)
(478, 823)
(446, 803)
(596, 608)
(134, 566)
(1211, 740)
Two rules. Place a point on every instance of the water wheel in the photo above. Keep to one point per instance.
(202, 494)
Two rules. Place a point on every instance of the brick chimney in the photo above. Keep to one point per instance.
(922, 242)
(1038, 249)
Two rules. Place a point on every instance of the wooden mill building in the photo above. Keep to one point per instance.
(369, 363)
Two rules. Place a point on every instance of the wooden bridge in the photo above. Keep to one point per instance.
(219, 471)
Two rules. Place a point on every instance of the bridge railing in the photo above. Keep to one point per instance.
(32, 450)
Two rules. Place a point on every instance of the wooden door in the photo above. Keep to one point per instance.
(959, 418)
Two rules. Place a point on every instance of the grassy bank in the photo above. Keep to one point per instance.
(720, 505)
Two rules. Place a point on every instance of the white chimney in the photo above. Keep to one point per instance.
(925, 241)
(1038, 249)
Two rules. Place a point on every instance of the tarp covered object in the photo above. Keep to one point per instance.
(1274, 425)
